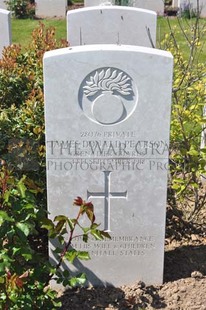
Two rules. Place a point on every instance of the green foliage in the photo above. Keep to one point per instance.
(22, 106)
(187, 158)
(24, 268)
(21, 8)
(22, 282)
(25, 271)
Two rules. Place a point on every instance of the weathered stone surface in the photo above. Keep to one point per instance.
(107, 135)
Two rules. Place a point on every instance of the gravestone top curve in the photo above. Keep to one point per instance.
(111, 25)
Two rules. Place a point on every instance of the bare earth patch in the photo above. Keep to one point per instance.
(184, 286)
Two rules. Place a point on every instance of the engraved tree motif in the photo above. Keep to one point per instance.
(108, 80)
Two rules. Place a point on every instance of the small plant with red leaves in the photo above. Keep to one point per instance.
(25, 272)
(63, 225)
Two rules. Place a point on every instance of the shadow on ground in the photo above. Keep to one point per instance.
(112, 298)
(179, 264)
(182, 261)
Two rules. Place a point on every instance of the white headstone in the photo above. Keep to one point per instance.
(154, 5)
(3, 5)
(111, 25)
(175, 3)
(5, 29)
(98, 2)
(107, 110)
(192, 6)
(51, 8)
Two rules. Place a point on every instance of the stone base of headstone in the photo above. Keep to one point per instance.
(51, 8)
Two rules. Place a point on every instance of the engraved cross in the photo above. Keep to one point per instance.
(107, 195)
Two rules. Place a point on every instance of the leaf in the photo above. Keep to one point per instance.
(24, 228)
(105, 234)
(85, 238)
(60, 218)
(21, 187)
(86, 229)
(19, 283)
(71, 255)
(178, 181)
(16, 250)
(175, 186)
(4, 217)
(96, 234)
(81, 278)
(27, 256)
(47, 224)
(203, 150)
(57, 304)
(83, 255)
(66, 273)
(24, 275)
(78, 201)
(6, 196)
(193, 152)
(57, 250)
(71, 223)
(90, 214)
(72, 282)
(59, 226)
(33, 186)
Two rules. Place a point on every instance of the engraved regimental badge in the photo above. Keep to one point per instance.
(108, 96)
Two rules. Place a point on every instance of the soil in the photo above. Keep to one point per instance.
(184, 285)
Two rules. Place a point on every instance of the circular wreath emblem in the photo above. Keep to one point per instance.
(107, 96)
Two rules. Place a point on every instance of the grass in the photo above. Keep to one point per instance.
(22, 29)
(187, 25)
